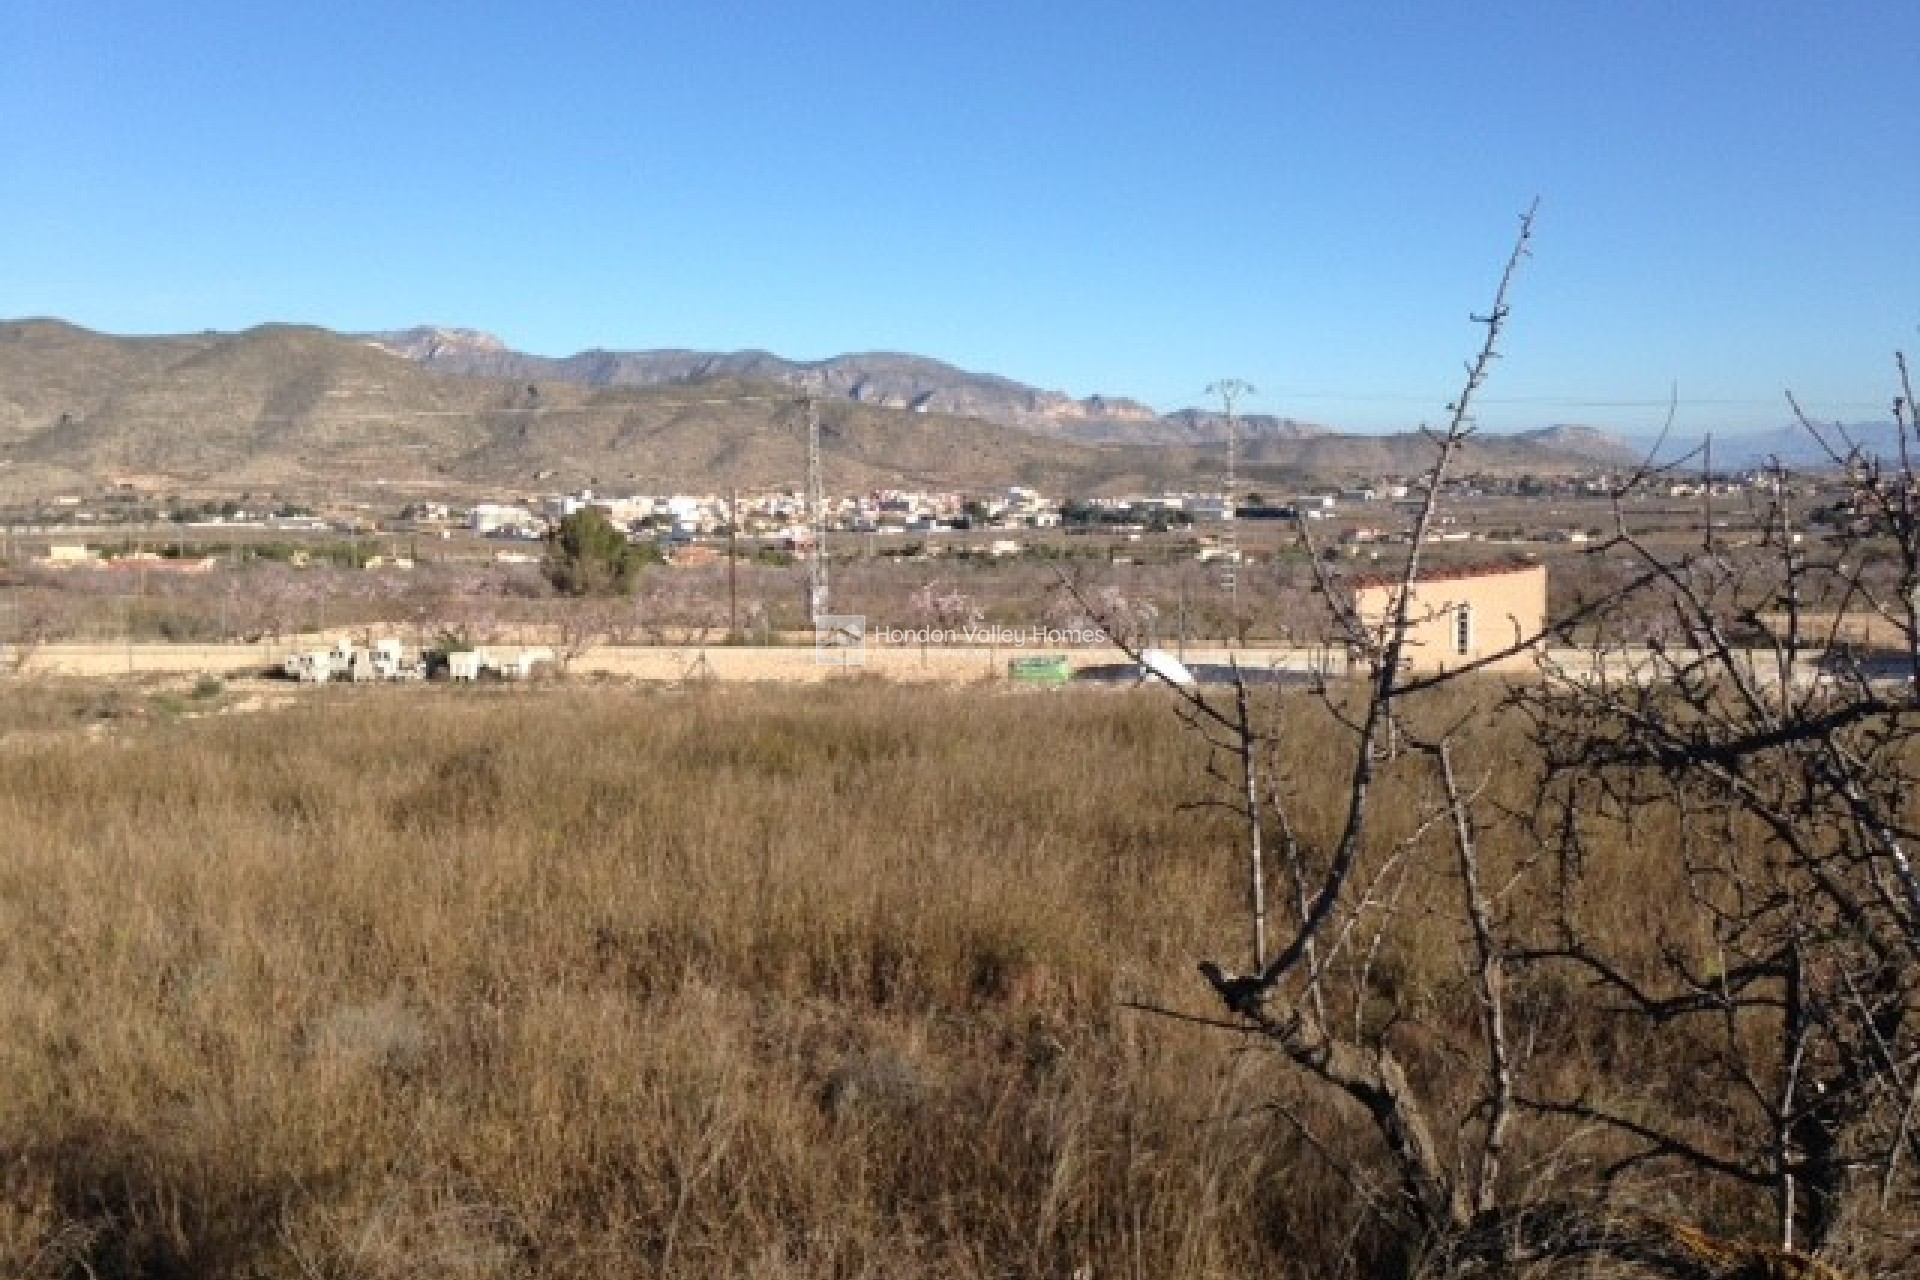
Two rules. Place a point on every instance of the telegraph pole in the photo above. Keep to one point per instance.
(1706, 491)
(1230, 390)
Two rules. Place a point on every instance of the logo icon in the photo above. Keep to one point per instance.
(840, 639)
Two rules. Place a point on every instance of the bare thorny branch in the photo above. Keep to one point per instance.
(1793, 847)
(1808, 891)
(1327, 901)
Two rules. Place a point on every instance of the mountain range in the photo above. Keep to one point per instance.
(887, 379)
(287, 408)
(1790, 446)
(913, 383)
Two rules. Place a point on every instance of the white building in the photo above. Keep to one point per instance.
(493, 517)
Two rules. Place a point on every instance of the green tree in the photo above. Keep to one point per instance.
(588, 556)
(1077, 511)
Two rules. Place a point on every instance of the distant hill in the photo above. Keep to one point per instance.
(1603, 447)
(283, 407)
(1792, 446)
(1198, 426)
(287, 408)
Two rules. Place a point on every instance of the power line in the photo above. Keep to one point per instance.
(524, 411)
(1571, 402)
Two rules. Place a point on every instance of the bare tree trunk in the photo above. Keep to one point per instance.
(1248, 743)
(1491, 991)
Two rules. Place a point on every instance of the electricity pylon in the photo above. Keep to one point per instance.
(1230, 390)
(816, 514)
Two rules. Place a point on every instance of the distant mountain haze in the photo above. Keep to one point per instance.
(1790, 446)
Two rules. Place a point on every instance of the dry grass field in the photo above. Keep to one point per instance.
(806, 982)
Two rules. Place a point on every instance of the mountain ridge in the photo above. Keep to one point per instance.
(916, 383)
(890, 379)
(282, 406)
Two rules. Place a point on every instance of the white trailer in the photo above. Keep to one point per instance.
(314, 666)
(390, 662)
(525, 664)
(386, 660)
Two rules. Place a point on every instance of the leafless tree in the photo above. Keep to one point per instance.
(1790, 759)
(25, 625)
(944, 607)
(1309, 996)
(1798, 1014)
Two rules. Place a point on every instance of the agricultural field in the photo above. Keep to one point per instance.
(1156, 585)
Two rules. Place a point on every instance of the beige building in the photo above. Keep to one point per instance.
(1461, 616)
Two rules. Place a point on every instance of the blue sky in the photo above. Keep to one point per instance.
(1126, 198)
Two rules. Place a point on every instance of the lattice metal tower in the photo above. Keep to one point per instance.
(817, 595)
(1230, 390)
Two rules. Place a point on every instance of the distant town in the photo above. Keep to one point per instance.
(1525, 509)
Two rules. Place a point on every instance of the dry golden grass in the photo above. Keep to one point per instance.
(581, 983)
(577, 985)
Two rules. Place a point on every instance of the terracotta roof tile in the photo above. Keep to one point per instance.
(1452, 573)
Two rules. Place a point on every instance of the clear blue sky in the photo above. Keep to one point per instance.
(1128, 198)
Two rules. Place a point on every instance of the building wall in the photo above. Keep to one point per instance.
(1860, 629)
(1460, 618)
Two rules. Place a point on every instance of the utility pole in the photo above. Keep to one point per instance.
(1230, 390)
(1706, 490)
(733, 566)
(1183, 616)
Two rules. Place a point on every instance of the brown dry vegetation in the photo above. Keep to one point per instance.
(770, 983)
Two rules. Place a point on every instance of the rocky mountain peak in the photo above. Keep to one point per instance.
(428, 344)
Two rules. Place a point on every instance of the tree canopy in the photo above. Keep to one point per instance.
(588, 556)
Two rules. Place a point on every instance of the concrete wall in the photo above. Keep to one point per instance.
(902, 663)
(794, 662)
